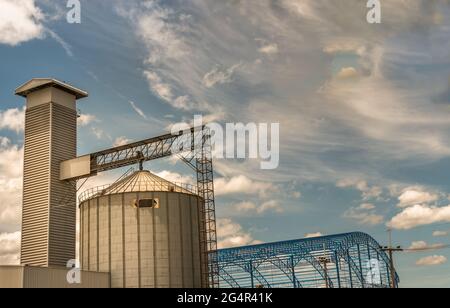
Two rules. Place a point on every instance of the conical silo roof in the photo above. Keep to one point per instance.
(139, 181)
(142, 181)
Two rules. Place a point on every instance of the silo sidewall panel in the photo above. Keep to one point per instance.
(103, 249)
(175, 246)
(85, 236)
(93, 239)
(196, 241)
(162, 242)
(117, 259)
(145, 247)
(147, 235)
(186, 231)
(131, 241)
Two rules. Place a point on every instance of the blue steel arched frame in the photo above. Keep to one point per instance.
(346, 254)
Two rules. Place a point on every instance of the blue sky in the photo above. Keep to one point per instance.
(363, 109)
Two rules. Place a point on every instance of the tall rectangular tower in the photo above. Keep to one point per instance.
(49, 205)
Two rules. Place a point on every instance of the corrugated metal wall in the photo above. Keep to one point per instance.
(35, 277)
(11, 277)
(48, 233)
(147, 248)
(43, 277)
(63, 194)
(35, 215)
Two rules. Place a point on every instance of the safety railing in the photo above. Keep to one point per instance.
(137, 187)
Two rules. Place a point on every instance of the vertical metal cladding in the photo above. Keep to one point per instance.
(35, 187)
(147, 247)
(49, 211)
(49, 205)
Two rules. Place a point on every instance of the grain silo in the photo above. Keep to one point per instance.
(145, 231)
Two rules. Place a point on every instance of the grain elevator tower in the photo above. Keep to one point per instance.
(49, 205)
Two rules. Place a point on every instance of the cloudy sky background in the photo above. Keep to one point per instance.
(363, 109)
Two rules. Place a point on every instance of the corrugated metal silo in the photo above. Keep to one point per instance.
(145, 231)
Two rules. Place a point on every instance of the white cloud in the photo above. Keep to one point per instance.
(396, 121)
(11, 165)
(242, 185)
(220, 76)
(138, 110)
(245, 207)
(11, 159)
(432, 261)
(345, 45)
(154, 26)
(268, 206)
(347, 73)
(4, 142)
(440, 233)
(11, 207)
(414, 196)
(361, 185)
(176, 178)
(313, 235)
(182, 102)
(20, 21)
(86, 119)
(231, 234)
(364, 215)
(269, 49)
(165, 91)
(66, 46)
(13, 119)
(162, 30)
(10, 248)
(367, 206)
(391, 114)
(367, 192)
(100, 134)
(160, 88)
(272, 205)
(422, 245)
(420, 215)
(120, 141)
(418, 245)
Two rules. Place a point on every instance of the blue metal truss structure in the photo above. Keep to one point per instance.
(352, 260)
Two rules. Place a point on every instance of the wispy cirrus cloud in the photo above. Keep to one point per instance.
(138, 110)
(189, 56)
(219, 76)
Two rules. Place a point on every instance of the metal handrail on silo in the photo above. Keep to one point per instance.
(163, 186)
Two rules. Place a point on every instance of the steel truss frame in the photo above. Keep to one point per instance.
(194, 147)
(297, 263)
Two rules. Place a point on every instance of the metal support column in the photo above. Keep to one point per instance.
(252, 278)
(349, 269)
(294, 278)
(360, 263)
(205, 181)
(336, 260)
